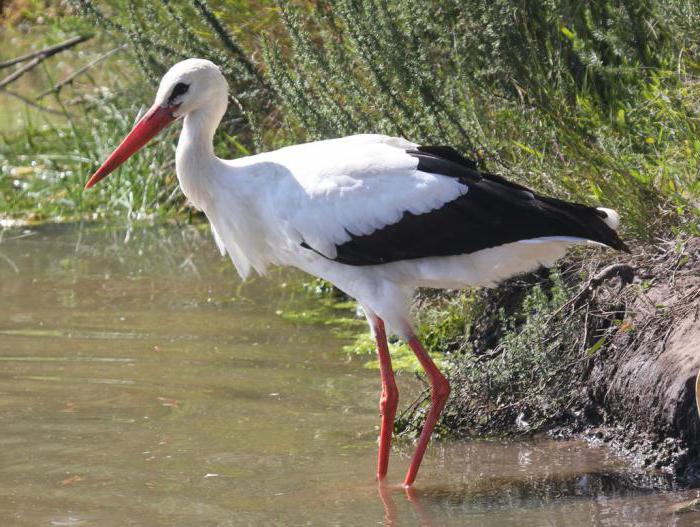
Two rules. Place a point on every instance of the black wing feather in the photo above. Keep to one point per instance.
(493, 212)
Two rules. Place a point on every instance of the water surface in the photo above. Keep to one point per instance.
(142, 384)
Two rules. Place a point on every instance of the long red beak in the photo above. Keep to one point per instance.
(157, 118)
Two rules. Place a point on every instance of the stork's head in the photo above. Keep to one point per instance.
(190, 85)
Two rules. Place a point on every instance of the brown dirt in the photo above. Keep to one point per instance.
(624, 374)
(644, 381)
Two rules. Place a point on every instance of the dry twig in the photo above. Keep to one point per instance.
(69, 79)
(46, 52)
(36, 58)
(31, 103)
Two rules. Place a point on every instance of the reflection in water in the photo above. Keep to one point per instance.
(142, 384)
(390, 511)
(521, 493)
(414, 498)
(391, 516)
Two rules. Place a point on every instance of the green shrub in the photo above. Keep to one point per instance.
(534, 351)
(590, 101)
(164, 32)
(594, 101)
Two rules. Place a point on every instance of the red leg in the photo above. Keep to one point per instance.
(439, 392)
(389, 400)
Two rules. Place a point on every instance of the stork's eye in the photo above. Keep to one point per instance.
(179, 89)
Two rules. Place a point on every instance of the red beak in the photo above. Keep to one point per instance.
(157, 118)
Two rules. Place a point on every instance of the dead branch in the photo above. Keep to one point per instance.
(21, 71)
(46, 52)
(39, 57)
(31, 103)
(69, 79)
(624, 271)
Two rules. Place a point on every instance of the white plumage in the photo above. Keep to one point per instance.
(377, 216)
(319, 193)
(266, 205)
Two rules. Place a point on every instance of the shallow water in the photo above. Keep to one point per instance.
(142, 384)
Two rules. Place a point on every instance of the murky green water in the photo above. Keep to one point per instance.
(141, 384)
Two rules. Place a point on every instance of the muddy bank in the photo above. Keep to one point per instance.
(612, 358)
(643, 384)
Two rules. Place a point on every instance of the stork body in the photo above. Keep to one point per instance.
(377, 216)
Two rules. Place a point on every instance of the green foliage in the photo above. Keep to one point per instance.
(441, 323)
(329, 308)
(43, 169)
(402, 357)
(539, 351)
(592, 100)
(48, 151)
(164, 32)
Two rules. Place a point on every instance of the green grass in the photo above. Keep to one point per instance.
(47, 156)
(44, 167)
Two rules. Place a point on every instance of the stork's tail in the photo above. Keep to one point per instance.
(612, 219)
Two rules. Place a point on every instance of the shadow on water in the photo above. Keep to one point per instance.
(142, 384)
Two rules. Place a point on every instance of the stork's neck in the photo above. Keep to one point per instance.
(196, 163)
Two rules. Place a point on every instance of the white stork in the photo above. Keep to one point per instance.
(377, 216)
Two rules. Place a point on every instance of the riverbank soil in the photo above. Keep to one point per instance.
(616, 361)
(644, 383)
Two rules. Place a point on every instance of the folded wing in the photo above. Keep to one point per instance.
(377, 200)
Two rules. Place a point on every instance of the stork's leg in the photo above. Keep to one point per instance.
(389, 399)
(439, 392)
